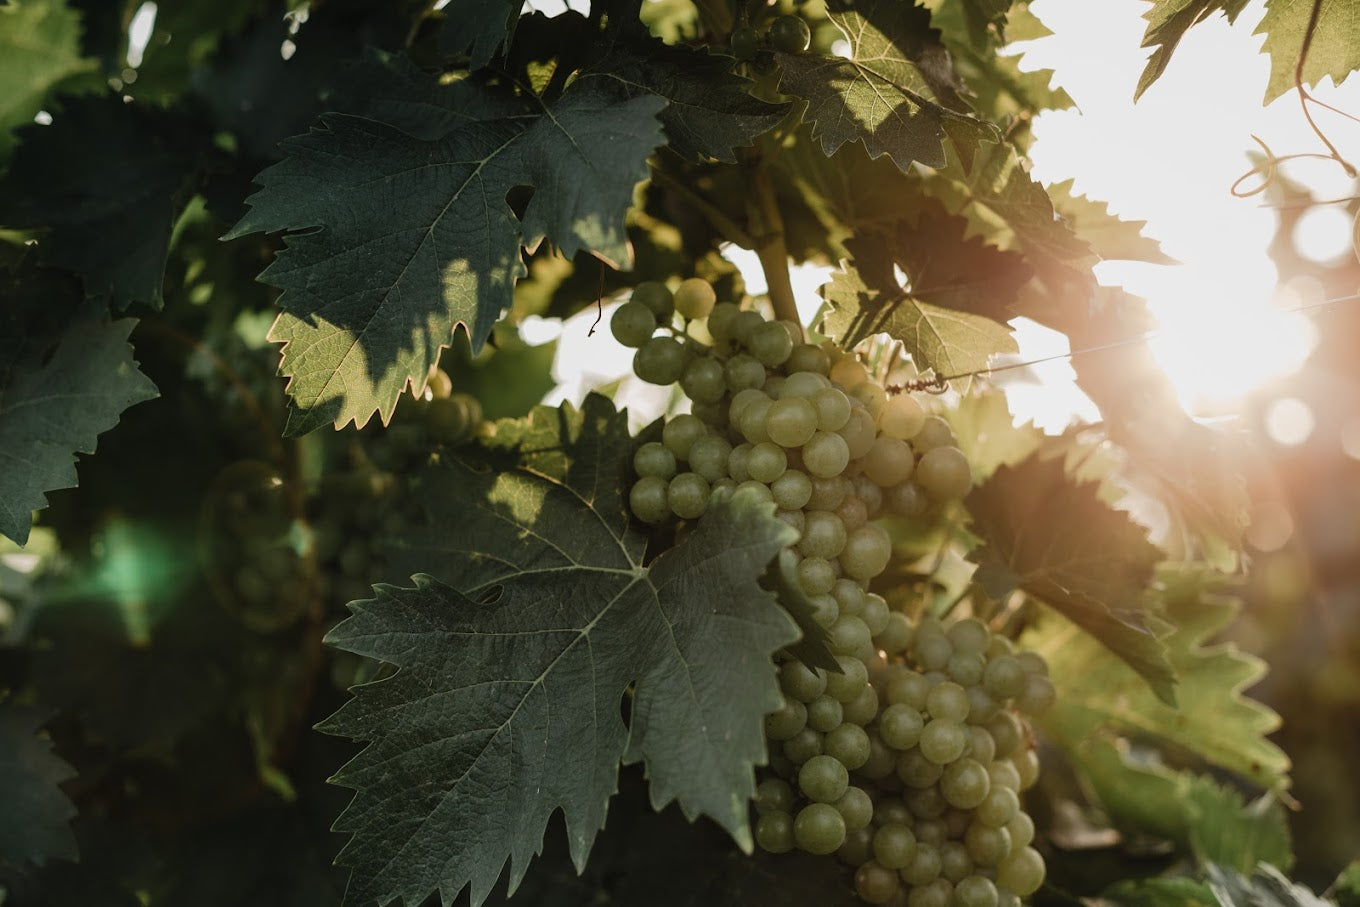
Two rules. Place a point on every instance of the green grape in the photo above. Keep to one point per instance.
(767, 462)
(926, 802)
(862, 709)
(787, 720)
(722, 322)
(792, 490)
(848, 373)
(901, 417)
(832, 407)
(859, 432)
(986, 845)
(741, 400)
(965, 783)
(908, 499)
(744, 372)
(948, 701)
(956, 822)
(875, 883)
(815, 575)
(708, 456)
(858, 847)
(761, 490)
(770, 343)
(932, 650)
(633, 324)
(975, 891)
(943, 741)
(713, 414)
(801, 682)
(656, 297)
(852, 512)
(1032, 662)
(687, 496)
(694, 298)
(969, 635)
(900, 726)
(647, 499)
(866, 552)
(955, 864)
(745, 43)
(1007, 898)
(882, 761)
(982, 708)
(849, 744)
(804, 385)
(848, 635)
(752, 424)
(1038, 695)
(803, 745)
(774, 832)
(981, 746)
(447, 420)
(819, 828)
(943, 472)
(746, 322)
(827, 491)
(999, 807)
(848, 684)
(1027, 764)
(824, 778)
(825, 714)
(931, 831)
(934, 432)
(1004, 774)
(774, 795)
(807, 357)
(891, 811)
(894, 845)
(825, 455)
(791, 421)
(1004, 677)
(876, 613)
(856, 808)
(909, 689)
(823, 535)
(869, 493)
(1021, 829)
(661, 360)
(736, 462)
(1022, 872)
(1006, 731)
(916, 771)
(681, 432)
(849, 596)
(924, 865)
(824, 612)
(1000, 645)
(654, 459)
(896, 634)
(703, 381)
(794, 518)
(938, 893)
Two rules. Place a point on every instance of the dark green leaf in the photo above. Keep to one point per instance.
(1169, 20)
(428, 222)
(37, 813)
(1108, 236)
(39, 48)
(108, 220)
(1334, 51)
(479, 28)
(813, 649)
(1056, 539)
(894, 92)
(506, 702)
(52, 408)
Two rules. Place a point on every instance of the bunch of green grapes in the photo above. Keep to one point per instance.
(908, 763)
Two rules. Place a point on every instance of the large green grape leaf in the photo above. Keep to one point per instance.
(512, 671)
(1334, 51)
(1157, 891)
(108, 221)
(427, 222)
(1211, 719)
(1168, 21)
(479, 28)
(1052, 536)
(1109, 236)
(37, 813)
(57, 395)
(866, 298)
(1203, 817)
(39, 48)
(988, 435)
(983, 22)
(894, 92)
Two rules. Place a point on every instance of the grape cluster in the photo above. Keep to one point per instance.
(908, 763)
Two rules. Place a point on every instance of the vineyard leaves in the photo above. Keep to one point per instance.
(37, 813)
(426, 222)
(506, 702)
(1334, 51)
(1109, 236)
(1168, 21)
(1057, 540)
(39, 49)
(479, 28)
(54, 407)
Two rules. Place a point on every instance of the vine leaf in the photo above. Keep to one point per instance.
(1266, 886)
(479, 28)
(511, 672)
(987, 433)
(37, 812)
(426, 221)
(935, 315)
(1212, 719)
(1168, 21)
(893, 93)
(56, 398)
(111, 223)
(1054, 537)
(1334, 51)
(39, 48)
(1109, 236)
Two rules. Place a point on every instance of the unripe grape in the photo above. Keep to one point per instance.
(890, 810)
(938, 893)
(1032, 662)
(833, 408)
(632, 324)
(981, 746)
(948, 701)
(815, 576)
(791, 421)
(924, 865)
(848, 744)
(966, 668)
(803, 384)
(694, 298)
(975, 891)
(863, 708)
(1004, 677)
(741, 400)
(803, 745)
(752, 423)
(943, 741)
(875, 883)
(1004, 774)
(872, 397)
(848, 373)
(767, 462)
(982, 708)
(965, 783)
(934, 432)
(708, 457)
(932, 650)
(1022, 872)
(661, 360)
(827, 491)
(944, 473)
(894, 845)
(823, 535)
(909, 689)
(654, 459)
(1021, 829)
(680, 433)
(790, 34)
(774, 832)
(824, 778)
(807, 357)
(856, 808)
(902, 417)
(846, 685)
(800, 681)
(770, 343)
(999, 807)
(955, 864)
(774, 795)
(1027, 764)
(759, 489)
(907, 499)
(986, 845)
(926, 803)
(876, 614)
(657, 298)
(744, 372)
(1006, 731)
(859, 433)
(787, 720)
(1038, 695)
(866, 552)
(745, 42)
(825, 714)
(900, 725)
(896, 634)
(916, 771)
(849, 596)
(792, 490)
(713, 414)
(819, 828)
(703, 381)
(794, 518)
(882, 762)
(824, 609)
(722, 321)
(969, 635)
(825, 455)
(858, 847)
(687, 496)
(647, 499)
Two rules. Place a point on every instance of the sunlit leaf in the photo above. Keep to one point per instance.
(1334, 50)
(1109, 236)
(39, 48)
(1168, 21)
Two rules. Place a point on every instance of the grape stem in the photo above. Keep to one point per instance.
(763, 213)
